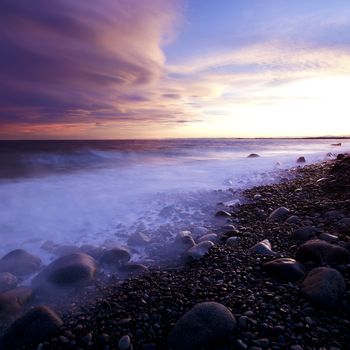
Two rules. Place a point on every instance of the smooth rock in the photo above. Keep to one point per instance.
(7, 281)
(12, 302)
(223, 213)
(35, 326)
(285, 269)
(67, 271)
(183, 242)
(199, 250)
(279, 214)
(115, 257)
(234, 241)
(324, 287)
(124, 343)
(212, 237)
(20, 263)
(328, 237)
(138, 239)
(263, 248)
(322, 252)
(345, 223)
(304, 233)
(253, 155)
(293, 219)
(301, 160)
(202, 326)
(133, 269)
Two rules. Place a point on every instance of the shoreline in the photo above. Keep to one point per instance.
(271, 314)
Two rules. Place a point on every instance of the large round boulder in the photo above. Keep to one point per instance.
(279, 214)
(199, 250)
(20, 263)
(322, 252)
(115, 257)
(35, 326)
(12, 302)
(323, 287)
(305, 233)
(205, 324)
(67, 271)
(212, 237)
(7, 281)
(285, 269)
(263, 248)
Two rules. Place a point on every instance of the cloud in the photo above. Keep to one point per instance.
(77, 61)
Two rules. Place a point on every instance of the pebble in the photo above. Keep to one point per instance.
(124, 343)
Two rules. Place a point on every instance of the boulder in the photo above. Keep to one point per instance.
(138, 239)
(233, 241)
(293, 219)
(305, 233)
(322, 252)
(7, 281)
(253, 155)
(115, 257)
(223, 213)
(328, 237)
(279, 214)
(67, 271)
(323, 287)
(133, 269)
(62, 250)
(344, 223)
(199, 250)
(202, 326)
(301, 160)
(91, 250)
(263, 248)
(12, 302)
(33, 327)
(212, 237)
(285, 269)
(183, 242)
(20, 263)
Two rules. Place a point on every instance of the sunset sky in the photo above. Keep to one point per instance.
(174, 68)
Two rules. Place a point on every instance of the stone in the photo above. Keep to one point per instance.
(293, 219)
(91, 250)
(279, 214)
(323, 287)
(67, 271)
(253, 155)
(34, 326)
(263, 248)
(202, 326)
(20, 263)
(322, 252)
(199, 250)
(12, 302)
(124, 343)
(7, 281)
(233, 241)
(223, 213)
(138, 239)
(133, 269)
(62, 250)
(212, 237)
(183, 242)
(285, 269)
(304, 233)
(301, 160)
(345, 223)
(115, 257)
(328, 237)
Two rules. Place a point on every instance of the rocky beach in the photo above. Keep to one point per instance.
(274, 275)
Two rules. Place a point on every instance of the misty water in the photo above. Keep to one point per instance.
(79, 192)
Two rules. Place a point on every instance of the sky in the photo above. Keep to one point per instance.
(124, 69)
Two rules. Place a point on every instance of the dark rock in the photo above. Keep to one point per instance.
(293, 219)
(20, 263)
(12, 302)
(322, 252)
(279, 214)
(35, 326)
(253, 155)
(234, 241)
(138, 239)
(328, 237)
(199, 250)
(212, 237)
(115, 257)
(263, 248)
(305, 233)
(91, 250)
(133, 269)
(62, 250)
(301, 160)
(67, 271)
(324, 287)
(7, 281)
(124, 343)
(285, 269)
(223, 213)
(183, 242)
(200, 327)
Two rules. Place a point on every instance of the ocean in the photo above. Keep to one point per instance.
(90, 192)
